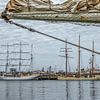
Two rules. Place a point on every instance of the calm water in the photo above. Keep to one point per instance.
(50, 90)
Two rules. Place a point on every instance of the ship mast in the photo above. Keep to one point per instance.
(7, 56)
(79, 57)
(92, 58)
(20, 57)
(31, 63)
(66, 55)
(7, 61)
(17, 58)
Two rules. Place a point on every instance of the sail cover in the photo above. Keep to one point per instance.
(37, 5)
(27, 5)
(47, 5)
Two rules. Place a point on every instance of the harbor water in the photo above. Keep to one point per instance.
(46, 51)
(50, 90)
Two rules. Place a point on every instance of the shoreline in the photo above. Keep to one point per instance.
(79, 79)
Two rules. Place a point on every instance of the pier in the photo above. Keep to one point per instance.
(47, 76)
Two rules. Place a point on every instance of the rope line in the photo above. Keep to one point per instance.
(61, 40)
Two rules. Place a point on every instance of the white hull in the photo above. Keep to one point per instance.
(18, 78)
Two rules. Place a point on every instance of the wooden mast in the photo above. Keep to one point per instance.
(20, 57)
(79, 57)
(7, 63)
(66, 56)
(92, 58)
(31, 63)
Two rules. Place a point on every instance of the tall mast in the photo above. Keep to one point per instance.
(7, 57)
(31, 63)
(66, 51)
(79, 57)
(92, 57)
(20, 57)
(7, 60)
(66, 56)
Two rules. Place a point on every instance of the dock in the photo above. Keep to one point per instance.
(97, 78)
(61, 77)
(47, 77)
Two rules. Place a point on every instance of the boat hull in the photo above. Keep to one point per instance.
(25, 78)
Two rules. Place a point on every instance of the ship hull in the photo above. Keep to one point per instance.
(25, 78)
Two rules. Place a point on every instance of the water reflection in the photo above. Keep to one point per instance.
(20, 92)
(68, 94)
(79, 83)
(82, 90)
(7, 91)
(50, 90)
(92, 92)
(17, 91)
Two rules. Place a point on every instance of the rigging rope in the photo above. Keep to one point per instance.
(33, 30)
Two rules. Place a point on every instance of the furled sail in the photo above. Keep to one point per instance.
(27, 5)
(87, 5)
(37, 5)
(69, 10)
(47, 5)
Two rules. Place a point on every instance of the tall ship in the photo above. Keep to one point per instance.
(16, 61)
